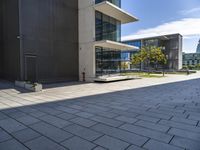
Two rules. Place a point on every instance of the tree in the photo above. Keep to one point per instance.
(125, 65)
(150, 55)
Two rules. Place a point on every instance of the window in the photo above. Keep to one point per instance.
(108, 61)
(107, 28)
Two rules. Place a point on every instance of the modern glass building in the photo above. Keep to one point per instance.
(171, 45)
(191, 59)
(107, 28)
(61, 40)
(100, 44)
(126, 56)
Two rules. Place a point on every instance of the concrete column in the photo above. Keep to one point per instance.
(86, 40)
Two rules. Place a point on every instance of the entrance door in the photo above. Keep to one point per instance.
(30, 68)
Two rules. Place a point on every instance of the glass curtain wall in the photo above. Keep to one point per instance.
(107, 28)
(108, 61)
(126, 56)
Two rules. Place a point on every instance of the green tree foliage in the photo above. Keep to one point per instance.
(124, 65)
(149, 55)
(192, 67)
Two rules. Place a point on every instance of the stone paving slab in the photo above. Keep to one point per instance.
(11, 125)
(121, 134)
(84, 122)
(51, 132)
(107, 121)
(83, 132)
(12, 145)
(111, 143)
(77, 143)
(185, 134)
(99, 148)
(43, 143)
(147, 133)
(133, 147)
(126, 119)
(26, 135)
(157, 114)
(27, 120)
(185, 143)
(153, 126)
(180, 125)
(156, 145)
(60, 123)
(4, 136)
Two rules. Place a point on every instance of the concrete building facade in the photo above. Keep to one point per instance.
(171, 45)
(100, 36)
(56, 40)
(39, 43)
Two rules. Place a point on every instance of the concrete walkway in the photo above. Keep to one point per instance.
(154, 114)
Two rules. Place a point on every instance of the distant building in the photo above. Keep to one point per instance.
(198, 47)
(191, 59)
(172, 48)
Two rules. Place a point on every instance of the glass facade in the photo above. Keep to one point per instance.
(151, 42)
(191, 59)
(135, 43)
(115, 2)
(171, 46)
(107, 28)
(108, 61)
(127, 55)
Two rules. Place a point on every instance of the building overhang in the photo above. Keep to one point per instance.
(115, 45)
(111, 10)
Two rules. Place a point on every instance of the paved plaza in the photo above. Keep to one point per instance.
(144, 114)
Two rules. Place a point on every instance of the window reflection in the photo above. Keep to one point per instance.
(108, 61)
(107, 28)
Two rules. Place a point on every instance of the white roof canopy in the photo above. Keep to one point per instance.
(115, 12)
(114, 45)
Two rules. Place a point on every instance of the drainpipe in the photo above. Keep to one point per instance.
(20, 37)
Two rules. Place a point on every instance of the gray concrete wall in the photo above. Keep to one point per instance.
(1, 39)
(11, 57)
(86, 40)
(180, 66)
(50, 34)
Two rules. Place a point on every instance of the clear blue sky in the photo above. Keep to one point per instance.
(164, 17)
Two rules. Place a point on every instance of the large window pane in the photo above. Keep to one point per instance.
(108, 61)
(107, 28)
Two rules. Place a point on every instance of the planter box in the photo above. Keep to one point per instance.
(20, 84)
(29, 86)
(33, 87)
